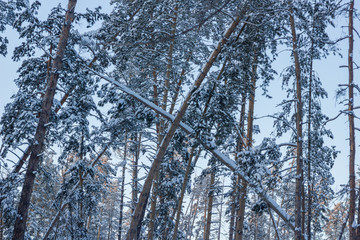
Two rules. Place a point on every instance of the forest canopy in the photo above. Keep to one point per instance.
(141, 119)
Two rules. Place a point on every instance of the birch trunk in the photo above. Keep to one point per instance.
(20, 222)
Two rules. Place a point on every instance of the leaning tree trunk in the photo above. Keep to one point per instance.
(138, 216)
(352, 230)
(299, 160)
(23, 208)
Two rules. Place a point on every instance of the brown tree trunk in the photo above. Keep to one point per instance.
(352, 230)
(249, 136)
(20, 222)
(210, 205)
(136, 156)
(122, 190)
(183, 189)
(299, 160)
(310, 185)
(138, 216)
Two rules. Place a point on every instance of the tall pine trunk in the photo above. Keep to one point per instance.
(210, 205)
(249, 139)
(310, 184)
(122, 190)
(299, 141)
(38, 148)
(352, 229)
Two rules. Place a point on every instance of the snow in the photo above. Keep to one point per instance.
(219, 155)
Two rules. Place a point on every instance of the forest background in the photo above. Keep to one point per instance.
(330, 70)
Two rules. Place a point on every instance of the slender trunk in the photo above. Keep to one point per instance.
(299, 160)
(210, 205)
(183, 189)
(122, 191)
(274, 223)
(138, 216)
(134, 193)
(191, 227)
(152, 214)
(220, 211)
(352, 229)
(232, 211)
(256, 226)
(237, 191)
(57, 216)
(110, 222)
(88, 223)
(23, 207)
(310, 184)
(343, 227)
(243, 189)
(204, 217)
(178, 86)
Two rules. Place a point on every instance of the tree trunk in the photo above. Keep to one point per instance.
(138, 216)
(299, 160)
(352, 229)
(183, 189)
(134, 194)
(37, 150)
(210, 205)
(122, 190)
(310, 184)
(249, 140)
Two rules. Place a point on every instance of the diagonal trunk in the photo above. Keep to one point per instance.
(183, 189)
(138, 216)
(20, 222)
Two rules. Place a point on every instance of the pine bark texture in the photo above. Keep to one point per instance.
(38, 148)
(352, 229)
(299, 160)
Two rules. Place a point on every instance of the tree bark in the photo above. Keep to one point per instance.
(122, 191)
(210, 205)
(138, 216)
(249, 140)
(183, 189)
(352, 229)
(310, 185)
(37, 150)
(299, 160)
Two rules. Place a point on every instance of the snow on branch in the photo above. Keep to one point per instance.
(216, 153)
